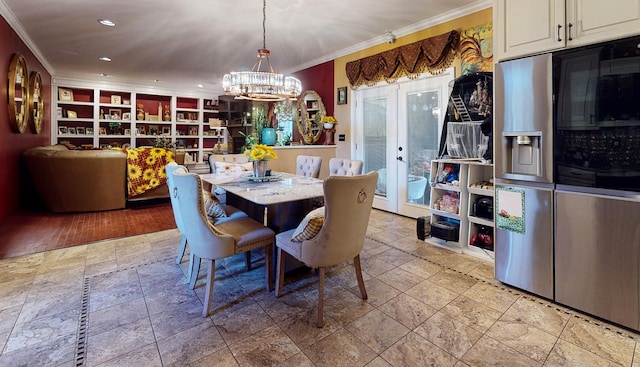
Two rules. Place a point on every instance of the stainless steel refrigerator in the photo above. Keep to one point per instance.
(523, 119)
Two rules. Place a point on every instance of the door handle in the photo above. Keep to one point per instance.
(559, 39)
(569, 31)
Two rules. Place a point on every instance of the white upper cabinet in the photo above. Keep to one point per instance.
(527, 27)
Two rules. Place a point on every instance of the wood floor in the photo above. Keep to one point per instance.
(34, 230)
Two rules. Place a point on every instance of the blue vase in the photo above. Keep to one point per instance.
(268, 136)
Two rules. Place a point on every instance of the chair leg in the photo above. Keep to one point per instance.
(247, 259)
(280, 275)
(208, 294)
(181, 249)
(190, 269)
(268, 266)
(195, 264)
(320, 322)
(356, 264)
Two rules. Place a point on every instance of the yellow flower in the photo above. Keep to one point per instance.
(149, 173)
(134, 171)
(328, 120)
(261, 152)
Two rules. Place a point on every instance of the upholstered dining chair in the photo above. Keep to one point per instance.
(348, 201)
(210, 242)
(231, 213)
(345, 167)
(309, 166)
(170, 168)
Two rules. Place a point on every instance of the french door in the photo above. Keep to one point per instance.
(397, 130)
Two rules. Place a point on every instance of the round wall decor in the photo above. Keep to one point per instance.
(36, 102)
(18, 93)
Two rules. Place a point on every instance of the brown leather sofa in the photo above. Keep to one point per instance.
(82, 180)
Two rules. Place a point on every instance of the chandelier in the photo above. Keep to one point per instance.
(259, 85)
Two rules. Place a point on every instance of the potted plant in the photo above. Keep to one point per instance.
(260, 154)
(328, 122)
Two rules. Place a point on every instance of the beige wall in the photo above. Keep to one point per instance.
(343, 112)
(286, 161)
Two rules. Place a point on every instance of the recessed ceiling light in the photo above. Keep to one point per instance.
(104, 58)
(107, 22)
(103, 74)
(156, 80)
(200, 86)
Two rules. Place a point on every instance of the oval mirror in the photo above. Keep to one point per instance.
(310, 111)
(36, 102)
(18, 96)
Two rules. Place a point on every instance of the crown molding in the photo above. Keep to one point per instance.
(10, 17)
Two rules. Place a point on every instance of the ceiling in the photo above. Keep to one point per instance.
(183, 44)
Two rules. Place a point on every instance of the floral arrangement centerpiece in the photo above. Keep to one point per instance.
(328, 121)
(260, 154)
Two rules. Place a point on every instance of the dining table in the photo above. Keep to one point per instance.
(280, 201)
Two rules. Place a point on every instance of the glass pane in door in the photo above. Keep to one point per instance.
(375, 140)
(423, 114)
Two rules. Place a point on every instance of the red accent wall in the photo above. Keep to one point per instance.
(320, 79)
(15, 186)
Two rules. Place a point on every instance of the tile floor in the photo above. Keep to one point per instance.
(125, 302)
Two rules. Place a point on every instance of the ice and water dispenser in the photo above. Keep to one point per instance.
(523, 155)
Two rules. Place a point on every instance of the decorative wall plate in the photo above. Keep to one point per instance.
(18, 94)
(36, 102)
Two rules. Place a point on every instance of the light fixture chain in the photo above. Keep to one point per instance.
(264, 22)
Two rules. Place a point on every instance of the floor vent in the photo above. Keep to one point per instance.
(81, 350)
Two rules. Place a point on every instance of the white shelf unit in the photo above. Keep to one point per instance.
(469, 175)
(101, 116)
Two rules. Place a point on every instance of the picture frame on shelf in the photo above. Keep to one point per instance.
(71, 130)
(65, 95)
(166, 130)
(116, 99)
(193, 130)
(102, 131)
(154, 130)
(142, 130)
(127, 131)
(126, 116)
(342, 95)
(180, 116)
(72, 115)
(59, 112)
(89, 131)
(209, 104)
(116, 114)
(126, 101)
(80, 130)
(62, 130)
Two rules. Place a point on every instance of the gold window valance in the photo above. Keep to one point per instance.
(433, 54)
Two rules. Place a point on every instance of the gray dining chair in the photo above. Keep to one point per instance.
(348, 201)
(308, 166)
(345, 167)
(230, 212)
(210, 242)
